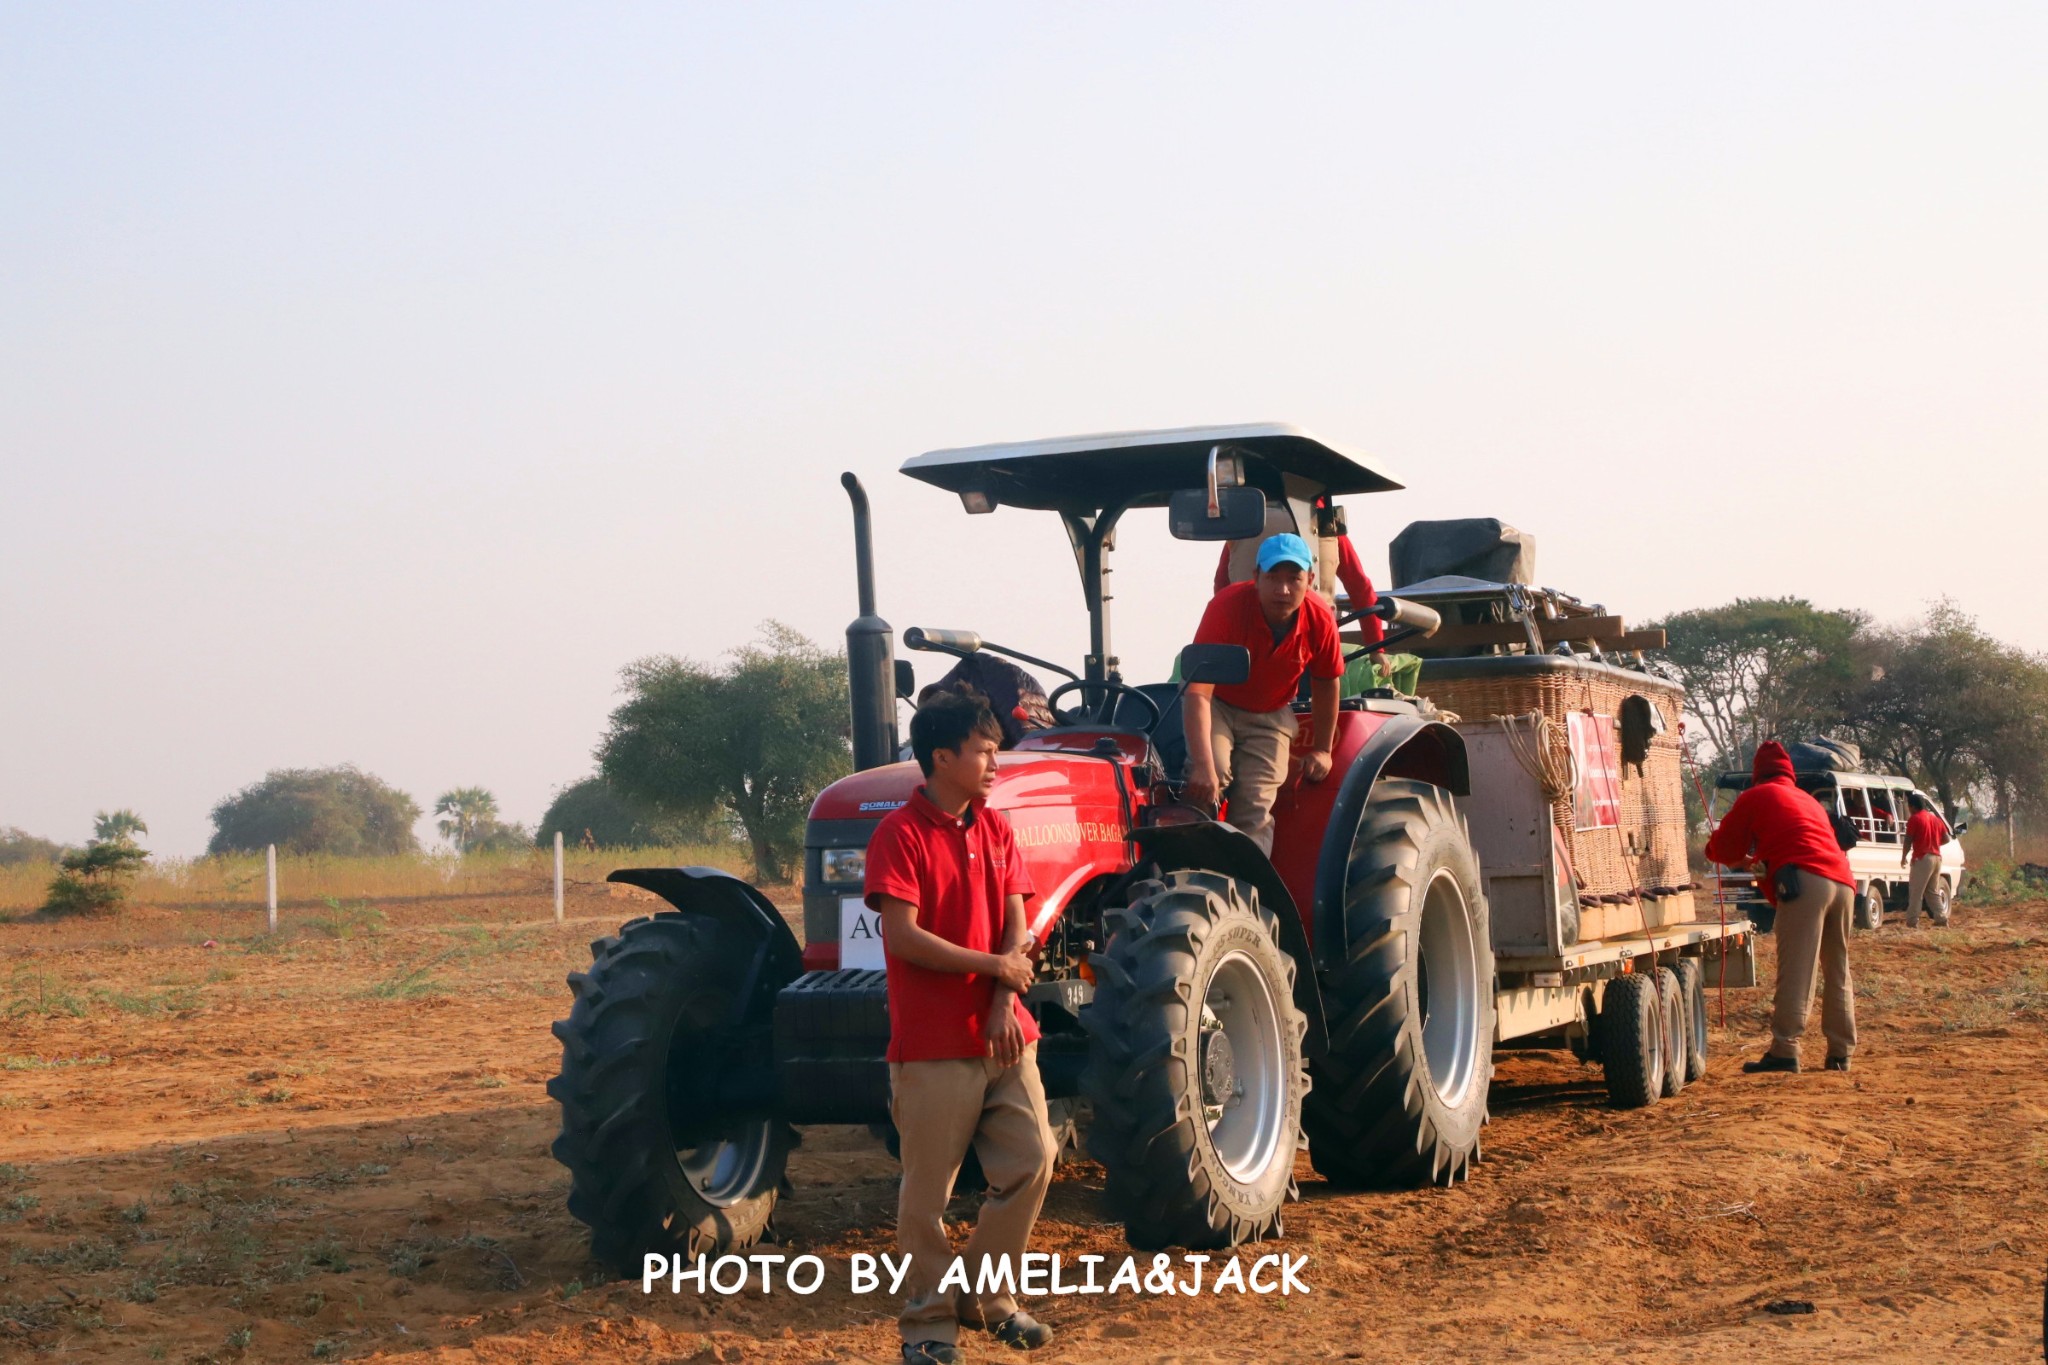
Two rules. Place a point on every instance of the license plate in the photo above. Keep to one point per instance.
(860, 935)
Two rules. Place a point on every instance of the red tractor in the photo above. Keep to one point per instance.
(1209, 1005)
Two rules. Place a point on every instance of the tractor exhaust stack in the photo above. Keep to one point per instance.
(870, 650)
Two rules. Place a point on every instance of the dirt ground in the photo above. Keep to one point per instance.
(219, 1146)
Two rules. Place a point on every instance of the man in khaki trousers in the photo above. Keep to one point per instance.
(944, 873)
(1240, 736)
(1805, 873)
(1926, 832)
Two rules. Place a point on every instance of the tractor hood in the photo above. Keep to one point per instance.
(1027, 778)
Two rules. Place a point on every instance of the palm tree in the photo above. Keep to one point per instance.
(467, 810)
(117, 827)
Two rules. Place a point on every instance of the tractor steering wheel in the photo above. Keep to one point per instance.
(1086, 685)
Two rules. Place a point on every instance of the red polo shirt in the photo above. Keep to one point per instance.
(1234, 617)
(957, 873)
(1928, 832)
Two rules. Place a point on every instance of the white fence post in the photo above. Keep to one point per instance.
(270, 877)
(558, 876)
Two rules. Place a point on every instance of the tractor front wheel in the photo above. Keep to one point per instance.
(1195, 1064)
(656, 1021)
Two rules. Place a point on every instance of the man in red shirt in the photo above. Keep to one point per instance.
(1806, 875)
(1926, 832)
(1351, 573)
(944, 873)
(1240, 735)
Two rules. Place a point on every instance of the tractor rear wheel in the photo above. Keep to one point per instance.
(1401, 1094)
(1194, 1069)
(655, 1022)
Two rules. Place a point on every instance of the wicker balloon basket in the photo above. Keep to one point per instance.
(1604, 744)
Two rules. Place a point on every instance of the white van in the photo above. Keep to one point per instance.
(1876, 806)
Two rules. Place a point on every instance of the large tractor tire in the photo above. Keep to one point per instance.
(1400, 1097)
(656, 1166)
(1195, 1068)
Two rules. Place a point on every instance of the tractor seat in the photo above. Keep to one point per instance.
(1169, 741)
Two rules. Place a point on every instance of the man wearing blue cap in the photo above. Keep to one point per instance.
(1240, 735)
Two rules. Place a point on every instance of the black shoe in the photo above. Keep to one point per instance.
(931, 1353)
(1771, 1062)
(1838, 1063)
(1021, 1331)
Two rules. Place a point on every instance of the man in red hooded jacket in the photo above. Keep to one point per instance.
(1806, 875)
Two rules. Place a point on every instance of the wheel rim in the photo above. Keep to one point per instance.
(727, 1169)
(1242, 1068)
(1448, 988)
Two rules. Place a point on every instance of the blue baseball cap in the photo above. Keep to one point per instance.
(1285, 548)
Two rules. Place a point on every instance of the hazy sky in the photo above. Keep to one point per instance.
(375, 381)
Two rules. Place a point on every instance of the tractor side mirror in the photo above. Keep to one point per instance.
(1225, 514)
(1222, 665)
(906, 680)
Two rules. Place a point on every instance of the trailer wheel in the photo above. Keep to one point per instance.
(1400, 1095)
(1692, 986)
(1674, 1030)
(1870, 907)
(1194, 1071)
(1634, 1055)
(654, 1165)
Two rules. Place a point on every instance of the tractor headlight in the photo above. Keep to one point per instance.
(845, 864)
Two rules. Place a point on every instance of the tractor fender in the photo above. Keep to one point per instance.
(1212, 846)
(1406, 746)
(741, 912)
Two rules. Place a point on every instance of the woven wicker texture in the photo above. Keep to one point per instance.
(1646, 854)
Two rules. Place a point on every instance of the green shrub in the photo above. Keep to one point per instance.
(94, 879)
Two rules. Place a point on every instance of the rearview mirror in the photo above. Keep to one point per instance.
(1222, 665)
(1239, 513)
(1962, 827)
(906, 679)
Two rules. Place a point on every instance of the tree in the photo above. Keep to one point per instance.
(468, 810)
(758, 738)
(1961, 713)
(342, 811)
(19, 846)
(614, 822)
(1759, 668)
(119, 826)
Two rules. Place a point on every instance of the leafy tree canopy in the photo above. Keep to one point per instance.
(19, 846)
(120, 826)
(1763, 667)
(592, 807)
(758, 737)
(342, 811)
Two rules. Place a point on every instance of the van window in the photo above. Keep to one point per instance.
(1856, 805)
(1884, 816)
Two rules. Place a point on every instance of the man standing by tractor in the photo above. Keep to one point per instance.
(1240, 735)
(1806, 876)
(1926, 832)
(944, 873)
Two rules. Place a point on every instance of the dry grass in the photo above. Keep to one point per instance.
(309, 882)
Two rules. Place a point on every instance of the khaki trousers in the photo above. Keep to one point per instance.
(1926, 876)
(940, 1108)
(1251, 749)
(1813, 931)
